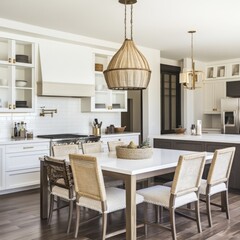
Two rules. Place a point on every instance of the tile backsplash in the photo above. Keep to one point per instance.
(68, 119)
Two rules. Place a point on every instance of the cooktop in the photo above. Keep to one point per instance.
(65, 135)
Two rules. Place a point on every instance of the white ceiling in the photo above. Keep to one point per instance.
(159, 24)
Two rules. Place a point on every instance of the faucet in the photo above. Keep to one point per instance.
(47, 111)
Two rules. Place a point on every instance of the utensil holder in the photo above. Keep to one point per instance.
(96, 131)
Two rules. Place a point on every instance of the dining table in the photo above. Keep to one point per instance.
(161, 162)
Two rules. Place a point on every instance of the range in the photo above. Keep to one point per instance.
(69, 138)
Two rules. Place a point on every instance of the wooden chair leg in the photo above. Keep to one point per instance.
(173, 223)
(51, 209)
(157, 209)
(77, 220)
(208, 205)
(197, 211)
(225, 203)
(145, 219)
(104, 225)
(70, 211)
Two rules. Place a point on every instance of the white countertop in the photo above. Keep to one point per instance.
(104, 135)
(225, 138)
(4, 141)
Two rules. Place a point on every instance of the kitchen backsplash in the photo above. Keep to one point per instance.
(68, 118)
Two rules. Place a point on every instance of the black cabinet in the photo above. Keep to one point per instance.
(234, 181)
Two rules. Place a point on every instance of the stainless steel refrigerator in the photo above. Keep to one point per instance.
(230, 115)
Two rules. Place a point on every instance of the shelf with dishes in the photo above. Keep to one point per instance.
(17, 75)
(105, 100)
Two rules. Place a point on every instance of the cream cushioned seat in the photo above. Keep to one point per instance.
(151, 195)
(214, 189)
(116, 200)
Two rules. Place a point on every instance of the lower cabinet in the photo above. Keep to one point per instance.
(21, 165)
(234, 180)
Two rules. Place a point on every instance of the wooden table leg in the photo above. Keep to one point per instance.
(43, 191)
(130, 186)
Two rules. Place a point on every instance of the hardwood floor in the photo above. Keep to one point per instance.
(20, 219)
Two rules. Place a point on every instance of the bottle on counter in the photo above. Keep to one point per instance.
(15, 130)
(193, 129)
(199, 127)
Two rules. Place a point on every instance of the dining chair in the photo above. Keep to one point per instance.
(96, 147)
(113, 144)
(91, 192)
(64, 150)
(217, 180)
(60, 185)
(184, 189)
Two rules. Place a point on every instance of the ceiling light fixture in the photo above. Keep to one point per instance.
(128, 68)
(191, 78)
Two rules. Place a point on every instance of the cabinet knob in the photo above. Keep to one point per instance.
(14, 106)
(9, 106)
(10, 60)
(14, 60)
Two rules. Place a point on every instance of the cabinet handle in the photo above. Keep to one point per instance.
(14, 106)
(28, 147)
(14, 60)
(9, 60)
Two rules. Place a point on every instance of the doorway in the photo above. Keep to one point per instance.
(170, 98)
(132, 119)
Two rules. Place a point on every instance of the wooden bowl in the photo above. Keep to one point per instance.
(123, 152)
(180, 130)
(119, 129)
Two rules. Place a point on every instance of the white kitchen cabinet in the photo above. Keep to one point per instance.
(213, 92)
(105, 100)
(216, 72)
(124, 137)
(234, 70)
(2, 155)
(17, 62)
(22, 164)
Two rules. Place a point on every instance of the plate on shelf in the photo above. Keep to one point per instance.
(100, 105)
(116, 105)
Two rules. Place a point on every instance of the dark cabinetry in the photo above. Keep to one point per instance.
(234, 181)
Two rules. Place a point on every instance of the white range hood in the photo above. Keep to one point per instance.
(65, 70)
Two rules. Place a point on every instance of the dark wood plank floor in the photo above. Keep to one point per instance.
(20, 219)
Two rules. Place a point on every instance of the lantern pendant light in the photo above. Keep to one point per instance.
(192, 78)
(128, 68)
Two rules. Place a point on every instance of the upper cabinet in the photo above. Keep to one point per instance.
(17, 75)
(105, 100)
(230, 69)
(218, 71)
(213, 92)
(66, 70)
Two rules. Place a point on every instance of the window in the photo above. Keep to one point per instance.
(170, 98)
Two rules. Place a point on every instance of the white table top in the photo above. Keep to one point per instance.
(161, 159)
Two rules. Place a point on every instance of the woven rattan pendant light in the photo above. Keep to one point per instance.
(128, 68)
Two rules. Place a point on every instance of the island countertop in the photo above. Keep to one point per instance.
(224, 138)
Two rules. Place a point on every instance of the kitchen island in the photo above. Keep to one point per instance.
(205, 142)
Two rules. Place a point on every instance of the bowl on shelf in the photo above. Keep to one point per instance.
(119, 129)
(21, 83)
(22, 58)
(180, 130)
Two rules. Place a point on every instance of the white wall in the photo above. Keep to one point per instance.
(69, 117)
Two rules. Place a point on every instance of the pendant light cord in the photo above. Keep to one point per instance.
(125, 20)
(131, 22)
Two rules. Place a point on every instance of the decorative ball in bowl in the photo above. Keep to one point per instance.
(21, 83)
(180, 130)
(119, 129)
